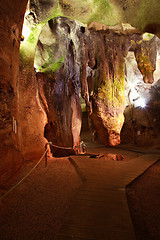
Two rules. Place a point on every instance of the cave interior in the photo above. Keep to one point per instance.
(71, 73)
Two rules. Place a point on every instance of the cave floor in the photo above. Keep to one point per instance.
(75, 198)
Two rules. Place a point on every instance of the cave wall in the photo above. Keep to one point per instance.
(39, 11)
(59, 92)
(11, 20)
(103, 90)
(57, 89)
(141, 124)
(101, 51)
(144, 15)
(146, 53)
(98, 65)
(31, 116)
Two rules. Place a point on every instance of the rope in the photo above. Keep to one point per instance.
(60, 147)
(11, 189)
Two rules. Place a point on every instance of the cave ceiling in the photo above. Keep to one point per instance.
(142, 14)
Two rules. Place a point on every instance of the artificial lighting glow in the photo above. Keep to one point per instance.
(140, 102)
(26, 31)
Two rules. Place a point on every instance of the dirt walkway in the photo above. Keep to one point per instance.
(100, 210)
(35, 210)
(40, 207)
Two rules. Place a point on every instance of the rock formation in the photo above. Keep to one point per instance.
(146, 53)
(142, 98)
(58, 85)
(20, 108)
(103, 88)
(11, 25)
(102, 53)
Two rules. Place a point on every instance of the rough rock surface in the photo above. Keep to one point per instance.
(58, 86)
(99, 63)
(101, 57)
(31, 116)
(146, 54)
(142, 100)
(103, 90)
(10, 35)
(112, 156)
(63, 111)
(108, 12)
(103, 78)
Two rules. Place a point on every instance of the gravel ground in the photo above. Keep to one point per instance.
(35, 209)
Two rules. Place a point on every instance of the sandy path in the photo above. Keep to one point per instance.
(36, 209)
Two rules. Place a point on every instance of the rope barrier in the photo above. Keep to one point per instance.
(45, 154)
(67, 148)
(51, 144)
(11, 189)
